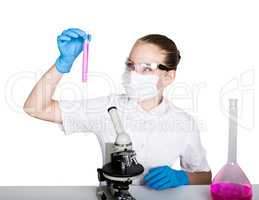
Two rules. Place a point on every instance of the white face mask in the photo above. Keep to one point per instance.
(140, 87)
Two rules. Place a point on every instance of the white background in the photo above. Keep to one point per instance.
(219, 44)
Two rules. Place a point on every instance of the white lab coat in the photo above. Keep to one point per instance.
(160, 136)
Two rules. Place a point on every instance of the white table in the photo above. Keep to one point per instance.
(195, 192)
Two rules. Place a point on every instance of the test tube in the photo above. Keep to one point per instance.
(85, 61)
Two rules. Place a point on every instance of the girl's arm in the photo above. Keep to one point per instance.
(39, 103)
(199, 178)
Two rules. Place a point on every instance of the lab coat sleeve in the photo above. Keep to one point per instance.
(84, 115)
(193, 158)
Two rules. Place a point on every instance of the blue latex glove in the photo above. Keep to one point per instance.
(165, 177)
(70, 45)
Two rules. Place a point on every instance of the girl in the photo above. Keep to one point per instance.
(160, 132)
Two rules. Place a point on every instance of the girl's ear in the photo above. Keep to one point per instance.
(169, 77)
(172, 74)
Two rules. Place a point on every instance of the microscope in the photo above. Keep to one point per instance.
(123, 167)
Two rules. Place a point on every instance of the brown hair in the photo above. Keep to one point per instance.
(172, 57)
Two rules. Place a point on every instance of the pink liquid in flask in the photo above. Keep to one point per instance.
(231, 182)
(231, 191)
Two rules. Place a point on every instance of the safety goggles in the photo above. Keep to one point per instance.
(145, 67)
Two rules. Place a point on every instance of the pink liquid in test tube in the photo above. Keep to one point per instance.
(85, 61)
